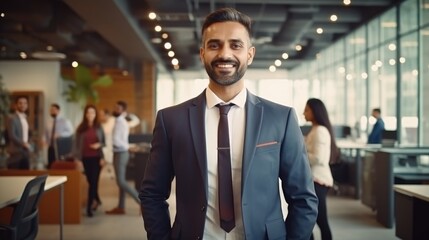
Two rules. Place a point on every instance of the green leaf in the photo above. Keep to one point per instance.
(103, 81)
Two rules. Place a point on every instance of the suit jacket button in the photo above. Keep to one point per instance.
(198, 238)
(203, 208)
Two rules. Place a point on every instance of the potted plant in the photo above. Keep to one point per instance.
(4, 110)
(81, 87)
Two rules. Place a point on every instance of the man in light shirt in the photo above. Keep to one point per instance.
(265, 145)
(18, 130)
(57, 127)
(121, 157)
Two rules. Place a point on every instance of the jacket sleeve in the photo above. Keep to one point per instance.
(156, 185)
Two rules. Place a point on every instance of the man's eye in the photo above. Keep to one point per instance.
(213, 46)
(236, 46)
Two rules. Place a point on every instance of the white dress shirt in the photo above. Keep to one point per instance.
(63, 128)
(120, 134)
(236, 123)
(25, 127)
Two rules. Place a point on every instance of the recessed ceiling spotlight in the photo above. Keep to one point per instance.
(158, 28)
(319, 30)
(152, 15)
(298, 47)
(278, 63)
(75, 64)
(2, 15)
(23, 55)
(285, 56)
(164, 36)
(333, 18)
(347, 2)
(174, 61)
(167, 45)
(49, 48)
(171, 53)
(272, 68)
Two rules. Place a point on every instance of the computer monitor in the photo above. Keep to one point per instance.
(388, 138)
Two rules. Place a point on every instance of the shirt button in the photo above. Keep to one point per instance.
(203, 208)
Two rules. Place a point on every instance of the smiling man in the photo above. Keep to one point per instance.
(227, 150)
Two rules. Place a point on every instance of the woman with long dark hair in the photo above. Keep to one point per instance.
(321, 149)
(88, 143)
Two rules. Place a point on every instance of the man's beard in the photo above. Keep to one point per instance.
(225, 79)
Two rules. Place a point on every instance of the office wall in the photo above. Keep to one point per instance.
(41, 76)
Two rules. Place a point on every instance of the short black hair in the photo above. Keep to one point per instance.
(55, 105)
(378, 110)
(228, 15)
(123, 104)
(20, 97)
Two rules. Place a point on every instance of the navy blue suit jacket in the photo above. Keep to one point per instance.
(377, 131)
(179, 150)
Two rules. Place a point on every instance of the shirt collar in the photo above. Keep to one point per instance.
(213, 100)
(20, 114)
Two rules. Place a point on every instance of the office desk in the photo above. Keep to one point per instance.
(349, 146)
(391, 165)
(12, 187)
(412, 211)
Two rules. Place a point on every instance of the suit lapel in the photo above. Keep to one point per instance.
(254, 115)
(197, 125)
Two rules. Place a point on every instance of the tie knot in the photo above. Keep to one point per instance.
(224, 109)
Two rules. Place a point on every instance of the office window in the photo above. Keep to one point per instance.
(409, 15)
(424, 78)
(424, 12)
(388, 25)
(408, 62)
(374, 98)
(373, 33)
(360, 40)
(388, 83)
(279, 90)
(356, 91)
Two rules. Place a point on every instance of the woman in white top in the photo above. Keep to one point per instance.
(321, 150)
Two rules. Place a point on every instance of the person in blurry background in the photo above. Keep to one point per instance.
(321, 148)
(56, 127)
(120, 143)
(377, 131)
(18, 131)
(88, 143)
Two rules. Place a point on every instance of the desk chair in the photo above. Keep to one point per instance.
(24, 223)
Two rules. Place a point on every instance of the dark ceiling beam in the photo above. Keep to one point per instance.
(306, 2)
(117, 26)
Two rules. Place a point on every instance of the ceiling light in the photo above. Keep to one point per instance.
(2, 15)
(158, 28)
(176, 67)
(298, 47)
(174, 61)
(278, 63)
(285, 56)
(125, 73)
(319, 30)
(347, 2)
(333, 18)
(49, 48)
(167, 45)
(392, 62)
(164, 36)
(152, 15)
(156, 40)
(74, 64)
(402, 60)
(23, 55)
(415, 72)
(378, 63)
(48, 55)
(364, 75)
(272, 68)
(392, 47)
(349, 77)
(171, 53)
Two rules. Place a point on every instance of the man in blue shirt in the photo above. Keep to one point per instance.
(377, 131)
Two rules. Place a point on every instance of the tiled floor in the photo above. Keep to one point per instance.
(349, 220)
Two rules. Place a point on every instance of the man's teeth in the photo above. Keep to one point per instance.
(225, 65)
